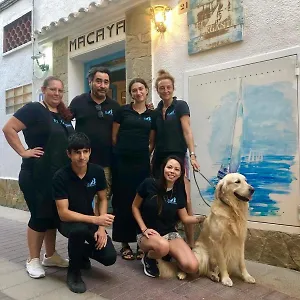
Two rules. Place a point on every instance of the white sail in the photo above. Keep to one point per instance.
(237, 133)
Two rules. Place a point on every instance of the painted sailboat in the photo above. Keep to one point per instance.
(255, 156)
(218, 21)
(237, 138)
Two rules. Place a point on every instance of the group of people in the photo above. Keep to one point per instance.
(134, 154)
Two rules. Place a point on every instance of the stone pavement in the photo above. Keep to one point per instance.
(124, 280)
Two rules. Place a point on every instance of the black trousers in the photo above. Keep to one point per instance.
(82, 243)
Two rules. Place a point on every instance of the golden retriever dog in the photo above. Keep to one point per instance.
(221, 244)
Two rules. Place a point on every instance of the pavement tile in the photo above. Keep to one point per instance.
(258, 290)
(33, 288)
(9, 280)
(199, 294)
(64, 293)
(187, 289)
(275, 296)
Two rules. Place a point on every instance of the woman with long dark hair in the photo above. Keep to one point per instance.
(46, 126)
(157, 206)
(133, 137)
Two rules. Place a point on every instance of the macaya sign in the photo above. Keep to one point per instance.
(97, 36)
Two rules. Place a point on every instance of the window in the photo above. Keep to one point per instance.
(17, 97)
(17, 33)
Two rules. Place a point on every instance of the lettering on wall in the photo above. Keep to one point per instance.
(98, 37)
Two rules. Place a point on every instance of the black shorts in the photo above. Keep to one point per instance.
(38, 221)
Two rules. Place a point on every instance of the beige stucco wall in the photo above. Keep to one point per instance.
(138, 45)
(60, 63)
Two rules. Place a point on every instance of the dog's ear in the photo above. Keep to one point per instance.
(219, 191)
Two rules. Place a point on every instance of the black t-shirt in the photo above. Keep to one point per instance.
(164, 222)
(134, 131)
(169, 133)
(99, 130)
(39, 125)
(79, 192)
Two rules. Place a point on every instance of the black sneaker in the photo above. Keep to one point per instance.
(85, 264)
(150, 266)
(75, 282)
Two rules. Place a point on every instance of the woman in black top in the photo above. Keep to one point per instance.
(46, 126)
(133, 137)
(173, 134)
(156, 208)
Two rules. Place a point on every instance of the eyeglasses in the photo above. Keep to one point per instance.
(54, 90)
(99, 111)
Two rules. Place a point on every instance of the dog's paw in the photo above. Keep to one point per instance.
(181, 275)
(248, 278)
(227, 281)
(214, 277)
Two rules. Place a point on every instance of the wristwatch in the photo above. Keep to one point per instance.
(193, 153)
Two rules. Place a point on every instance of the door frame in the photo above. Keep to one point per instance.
(88, 65)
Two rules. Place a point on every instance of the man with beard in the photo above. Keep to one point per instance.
(94, 113)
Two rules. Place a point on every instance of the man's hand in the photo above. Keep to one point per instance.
(104, 220)
(100, 238)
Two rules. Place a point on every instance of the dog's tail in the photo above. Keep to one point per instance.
(203, 258)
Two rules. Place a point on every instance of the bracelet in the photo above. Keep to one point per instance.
(144, 230)
(193, 153)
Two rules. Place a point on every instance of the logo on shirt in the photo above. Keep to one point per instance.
(109, 112)
(92, 183)
(147, 119)
(62, 122)
(172, 201)
(172, 113)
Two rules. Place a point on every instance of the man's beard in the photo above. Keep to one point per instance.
(99, 96)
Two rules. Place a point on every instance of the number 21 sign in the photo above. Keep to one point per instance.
(183, 6)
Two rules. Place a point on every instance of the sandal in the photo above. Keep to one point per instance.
(139, 254)
(127, 253)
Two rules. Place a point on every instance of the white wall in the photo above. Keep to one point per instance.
(15, 70)
(49, 11)
(269, 26)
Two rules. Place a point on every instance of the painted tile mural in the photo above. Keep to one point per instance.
(261, 142)
(214, 23)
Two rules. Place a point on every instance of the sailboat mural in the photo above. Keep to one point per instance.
(234, 159)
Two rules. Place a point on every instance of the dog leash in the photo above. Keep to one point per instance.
(199, 190)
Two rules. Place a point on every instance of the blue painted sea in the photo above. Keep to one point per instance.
(270, 177)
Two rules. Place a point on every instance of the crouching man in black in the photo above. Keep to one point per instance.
(74, 189)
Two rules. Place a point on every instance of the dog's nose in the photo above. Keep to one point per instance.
(251, 189)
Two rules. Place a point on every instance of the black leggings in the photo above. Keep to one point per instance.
(78, 234)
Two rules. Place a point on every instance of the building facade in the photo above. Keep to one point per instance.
(235, 63)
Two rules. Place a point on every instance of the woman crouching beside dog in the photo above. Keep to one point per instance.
(157, 207)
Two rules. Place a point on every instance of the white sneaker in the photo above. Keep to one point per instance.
(55, 261)
(34, 268)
